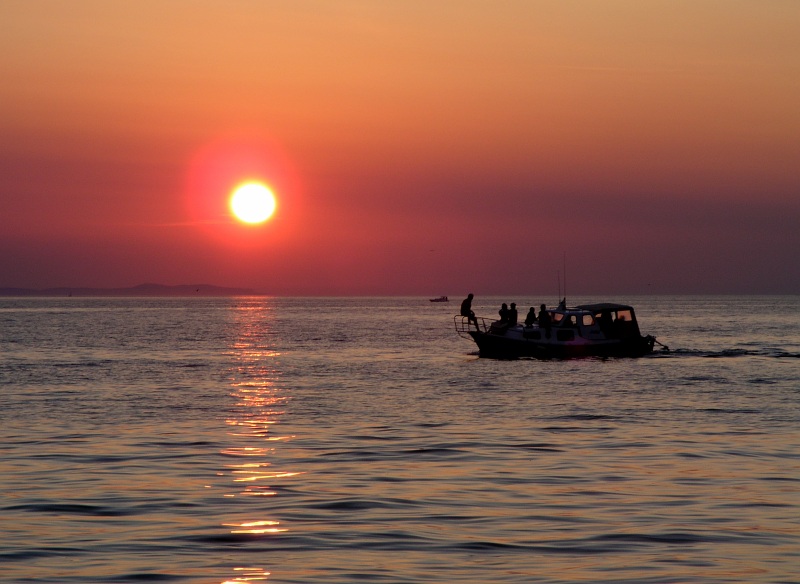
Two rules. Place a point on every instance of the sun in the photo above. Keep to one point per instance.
(252, 202)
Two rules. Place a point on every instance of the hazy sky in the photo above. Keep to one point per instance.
(415, 147)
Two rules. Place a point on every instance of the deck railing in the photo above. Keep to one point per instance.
(464, 325)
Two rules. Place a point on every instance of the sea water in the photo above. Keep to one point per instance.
(340, 440)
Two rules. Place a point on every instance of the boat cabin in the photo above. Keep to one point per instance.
(590, 321)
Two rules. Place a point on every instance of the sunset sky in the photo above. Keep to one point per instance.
(414, 147)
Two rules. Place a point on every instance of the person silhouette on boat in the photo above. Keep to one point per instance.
(512, 315)
(544, 320)
(504, 314)
(530, 318)
(606, 324)
(466, 310)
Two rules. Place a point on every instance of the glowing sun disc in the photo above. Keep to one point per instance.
(252, 202)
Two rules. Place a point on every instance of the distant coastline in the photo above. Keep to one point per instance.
(152, 290)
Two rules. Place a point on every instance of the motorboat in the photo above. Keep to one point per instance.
(440, 299)
(589, 330)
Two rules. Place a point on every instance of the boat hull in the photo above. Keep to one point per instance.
(497, 346)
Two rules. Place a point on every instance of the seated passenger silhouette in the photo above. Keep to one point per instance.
(503, 313)
(544, 320)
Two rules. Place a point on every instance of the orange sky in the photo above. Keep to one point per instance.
(415, 147)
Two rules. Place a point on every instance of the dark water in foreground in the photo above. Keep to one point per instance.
(346, 440)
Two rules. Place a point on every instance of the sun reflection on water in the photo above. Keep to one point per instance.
(248, 575)
(258, 406)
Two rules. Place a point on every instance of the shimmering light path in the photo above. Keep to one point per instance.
(336, 440)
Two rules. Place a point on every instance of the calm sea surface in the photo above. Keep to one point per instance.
(360, 440)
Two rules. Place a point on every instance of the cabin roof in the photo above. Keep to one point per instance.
(604, 306)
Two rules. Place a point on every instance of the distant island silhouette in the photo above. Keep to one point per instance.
(153, 290)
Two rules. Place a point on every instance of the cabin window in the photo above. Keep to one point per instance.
(556, 317)
(588, 320)
(624, 325)
(624, 315)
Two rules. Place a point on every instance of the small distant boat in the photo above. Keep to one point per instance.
(440, 299)
(589, 330)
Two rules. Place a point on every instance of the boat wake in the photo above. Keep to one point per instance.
(768, 352)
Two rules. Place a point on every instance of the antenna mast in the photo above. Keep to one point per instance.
(558, 279)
